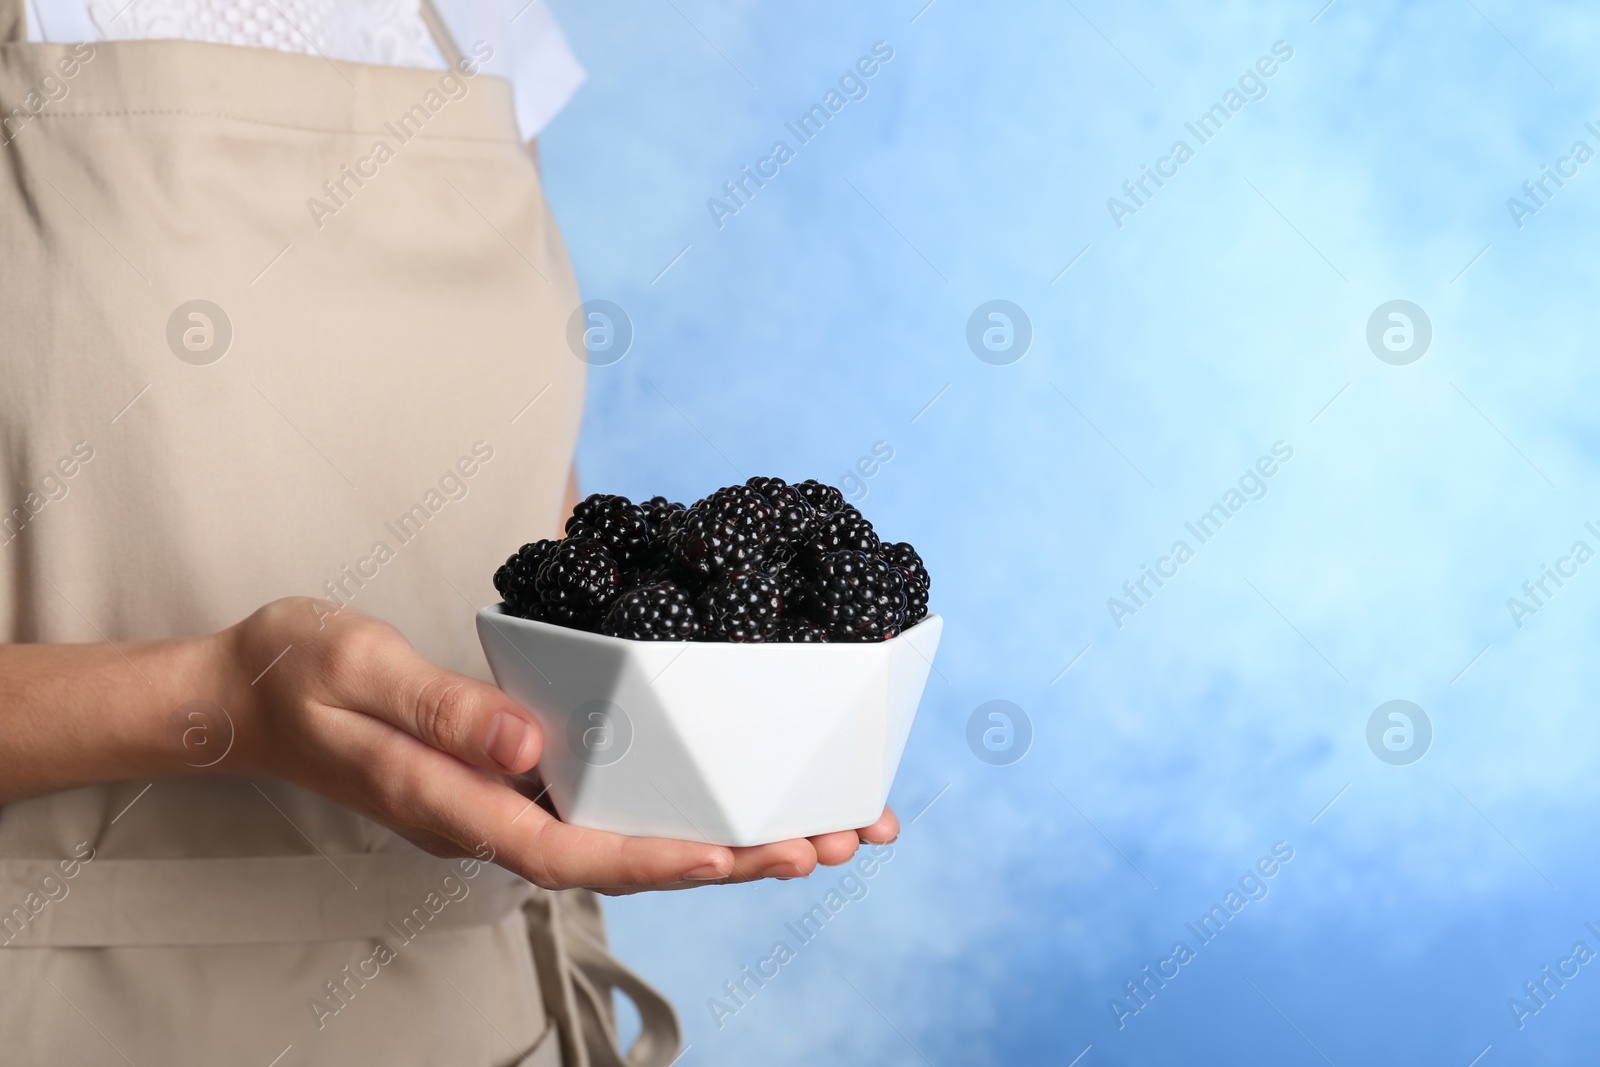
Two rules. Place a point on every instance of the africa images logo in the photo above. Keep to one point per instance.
(199, 332)
(1399, 732)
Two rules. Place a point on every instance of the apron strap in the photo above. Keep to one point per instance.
(578, 976)
(436, 26)
(14, 21)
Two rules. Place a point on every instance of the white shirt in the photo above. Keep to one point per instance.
(530, 50)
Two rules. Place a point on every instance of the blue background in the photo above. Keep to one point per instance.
(1227, 314)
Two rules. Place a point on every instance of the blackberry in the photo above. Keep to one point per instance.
(791, 511)
(845, 528)
(800, 631)
(791, 580)
(656, 512)
(825, 498)
(670, 521)
(857, 597)
(700, 547)
(903, 558)
(615, 521)
(515, 579)
(578, 583)
(730, 529)
(660, 612)
(744, 605)
(662, 519)
(646, 575)
(766, 486)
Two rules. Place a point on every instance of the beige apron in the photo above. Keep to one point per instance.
(375, 402)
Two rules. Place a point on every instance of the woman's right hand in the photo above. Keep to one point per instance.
(348, 709)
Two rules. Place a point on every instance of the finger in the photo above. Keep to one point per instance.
(791, 859)
(377, 671)
(836, 848)
(882, 832)
(421, 792)
(558, 855)
(795, 858)
(782, 859)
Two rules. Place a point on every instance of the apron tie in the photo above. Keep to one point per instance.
(578, 976)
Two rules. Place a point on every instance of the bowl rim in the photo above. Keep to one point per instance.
(497, 611)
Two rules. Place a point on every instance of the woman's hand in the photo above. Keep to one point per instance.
(351, 711)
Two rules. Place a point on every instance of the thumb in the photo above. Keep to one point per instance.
(471, 720)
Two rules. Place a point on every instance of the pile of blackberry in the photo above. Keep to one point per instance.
(762, 561)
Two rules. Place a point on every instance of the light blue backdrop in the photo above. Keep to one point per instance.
(1228, 313)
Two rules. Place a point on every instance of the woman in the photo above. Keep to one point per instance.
(276, 323)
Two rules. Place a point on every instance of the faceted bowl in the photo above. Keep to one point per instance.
(735, 744)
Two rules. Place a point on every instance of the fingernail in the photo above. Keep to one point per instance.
(708, 872)
(508, 735)
(781, 870)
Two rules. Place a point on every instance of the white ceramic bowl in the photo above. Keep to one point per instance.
(735, 744)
